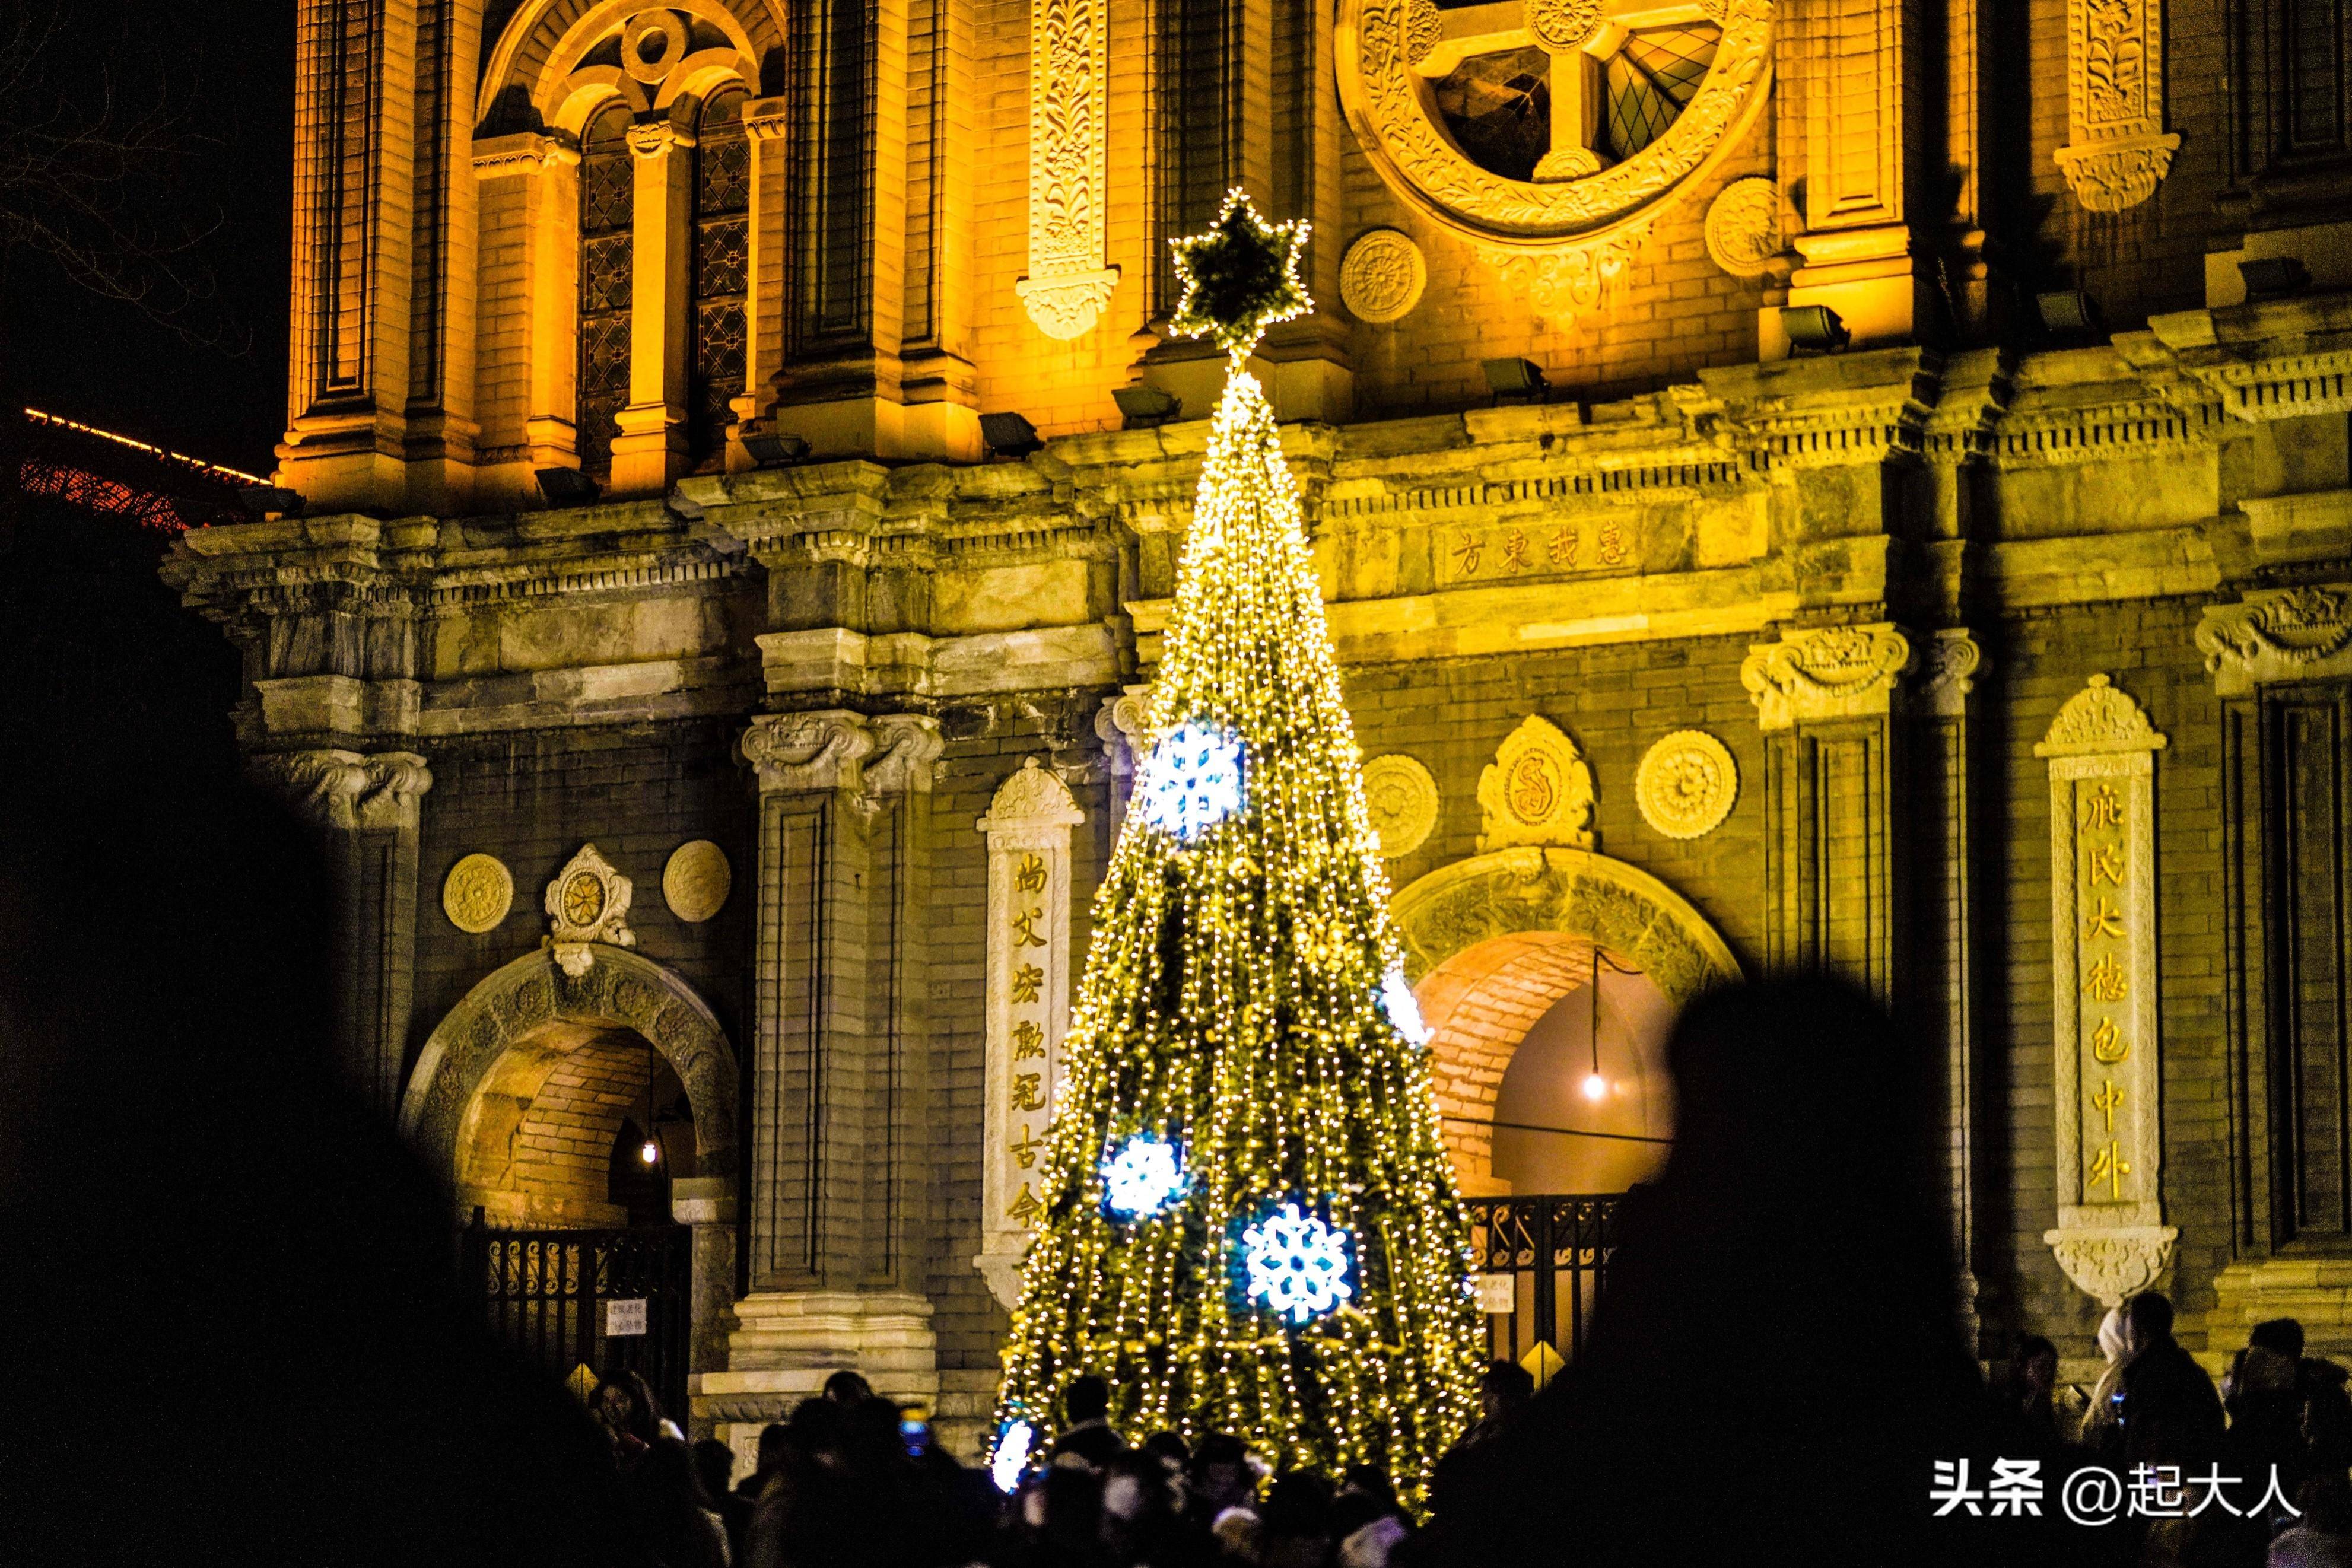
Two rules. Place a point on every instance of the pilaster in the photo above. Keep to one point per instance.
(1826, 699)
(364, 810)
(1944, 912)
(651, 449)
(529, 187)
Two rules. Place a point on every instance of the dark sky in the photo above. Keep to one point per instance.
(226, 70)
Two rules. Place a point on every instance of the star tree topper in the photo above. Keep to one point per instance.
(1240, 278)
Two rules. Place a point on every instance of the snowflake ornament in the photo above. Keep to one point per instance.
(1297, 1264)
(1144, 1177)
(1193, 779)
(1403, 1008)
(1012, 1455)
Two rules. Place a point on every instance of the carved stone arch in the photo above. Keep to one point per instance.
(1492, 943)
(542, 44)
(620, 990)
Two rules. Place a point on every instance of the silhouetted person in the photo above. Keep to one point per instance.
(1085, 1407)
(237, 1327)
(1505, 1389)
(672, 1512)
(625, 1407)
(775, 1443)
(1773, 1368)
(714, 1466)
(1220, 1478)
(2027, 1419)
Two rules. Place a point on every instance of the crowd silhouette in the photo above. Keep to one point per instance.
(238, 1333)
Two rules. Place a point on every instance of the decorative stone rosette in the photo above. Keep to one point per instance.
(477, 894)
(1686, 784)
(1382, 275)
(697, 881)
(1401, 800)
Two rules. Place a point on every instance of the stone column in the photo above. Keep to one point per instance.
(651, 447)
(364, 807)
(1028, 832)
(530, 187)
(2111, 1238)
(1945, 915)
(708, 1205)
(766, 123)
(1825, 698)
(839, 1172)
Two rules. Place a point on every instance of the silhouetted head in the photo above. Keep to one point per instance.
(1504, 1388)
(1088, 1398)
(2148, 1320)
(2284, 1336)
(847, 1387)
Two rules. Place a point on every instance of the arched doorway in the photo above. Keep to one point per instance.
(587, 1120)
(1549, 978)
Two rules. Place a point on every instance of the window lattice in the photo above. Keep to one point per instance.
(606, 255)
(722, 245)
(1650, 80)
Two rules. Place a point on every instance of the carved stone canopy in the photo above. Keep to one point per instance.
(2100, 717)
(346, 790)
(834, 748)
(1032, 797)
(1538, 790)
(587, 903)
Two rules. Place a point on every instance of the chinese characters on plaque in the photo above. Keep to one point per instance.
(1028, 834)
(2111, 1236)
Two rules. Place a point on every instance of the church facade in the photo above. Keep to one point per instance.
(1797, 483)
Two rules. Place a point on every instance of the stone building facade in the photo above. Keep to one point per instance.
(1951, 639)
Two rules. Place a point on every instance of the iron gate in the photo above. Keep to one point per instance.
(545, 1292)
(1554, 1253)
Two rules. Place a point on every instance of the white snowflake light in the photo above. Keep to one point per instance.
(1403, 1008)
(1297, 1264)
(1144, 1177)
(1193, 779)
(1012, 1456)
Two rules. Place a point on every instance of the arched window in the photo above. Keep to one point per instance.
(722, 246)
(607, 202)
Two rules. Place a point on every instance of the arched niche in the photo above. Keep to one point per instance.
(510, 1025)
(1492, 943)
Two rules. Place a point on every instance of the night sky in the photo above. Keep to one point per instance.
(212, 384)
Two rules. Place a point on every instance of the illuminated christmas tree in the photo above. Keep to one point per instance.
(1249, 1223)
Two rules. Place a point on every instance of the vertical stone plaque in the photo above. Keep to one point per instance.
(2111, 1236)
(1028, 829)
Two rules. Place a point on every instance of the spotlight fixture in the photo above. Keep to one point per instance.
(567, 487)
(772, 448)
(2273, 277)
(1813, 329)
(1145, 408)
(1521, 379)
(1009, 434)
(270, 500)
(2067, 311)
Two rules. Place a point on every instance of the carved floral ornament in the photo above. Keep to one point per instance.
(587, 903)
(2277, 634)
(1686, 784)
(1068, 286)
(1826, 673)
(2117, 150)
(1394, 56)
(1402, 800)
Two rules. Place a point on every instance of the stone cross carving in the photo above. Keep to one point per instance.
(1578, 35)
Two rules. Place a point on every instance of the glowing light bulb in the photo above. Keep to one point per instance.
(1012, 1456)
(650, 1153)
(1595, 1087)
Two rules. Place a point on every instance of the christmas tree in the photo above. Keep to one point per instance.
(1249, 1221)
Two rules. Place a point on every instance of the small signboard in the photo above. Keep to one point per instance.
(1498, 1294)
(622, 1318)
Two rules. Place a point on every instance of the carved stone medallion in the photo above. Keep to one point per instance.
(1381, 278)
(1743, 227)
(1401, 62)
(477, 894)
(697, 881)
(1686, 784)
(586, 904)
(1402, 798)
(1538, 790)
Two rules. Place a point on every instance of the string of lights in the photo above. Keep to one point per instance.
(1251, 1222)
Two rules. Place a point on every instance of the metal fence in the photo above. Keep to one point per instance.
(1554, 1253)
(546, 1292)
